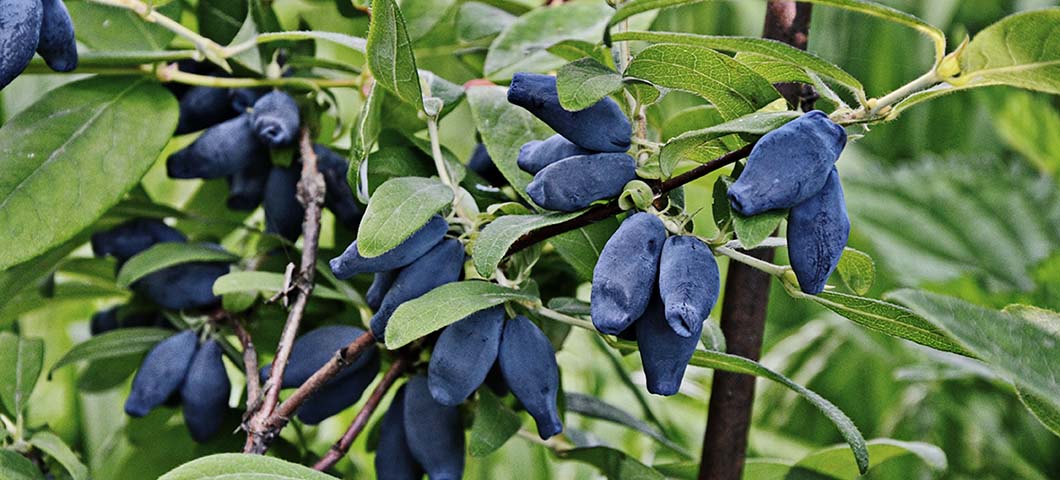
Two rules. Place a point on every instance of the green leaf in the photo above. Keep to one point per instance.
(592, 407)
(390, 54)
(732, 87)
(753, 230)
(1020, 349)
(56, 448)
(168, 254)
(705, 144)
(63, 167)
(356, 44)
(221, 21)
(774, 70)
(478, 20)
(21, 360)
(581, 248)
(857, 270)
(1020, 50)
(16, 467)
(107, 373)
(523, 45)
(445, 305)
(106, 28)
(505, 128)
(499, 235)
(1046, 412)
(614, 464)
(423, 15)
(365, 134)
(398, 208)
(115, 343)
(494, 424)
(267, 283)
(572, 50)
(584, 82)
(1029, 126)
(835, 463)
(242, 467)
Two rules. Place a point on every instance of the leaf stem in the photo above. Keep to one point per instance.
(774, 270)
(922, 82)
(564, 318)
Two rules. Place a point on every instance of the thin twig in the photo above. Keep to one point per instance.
(340, 360)
(250, 363)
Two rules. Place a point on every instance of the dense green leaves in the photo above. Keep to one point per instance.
(1021, 50)
(522, 46)
(443, 306)
(65, 163)
(115, 343)
(390, 53)
(21, 360)
(398, 208)
(168, 254)
(243, 467)
(494, 424)
(499, 235)
(614, 464)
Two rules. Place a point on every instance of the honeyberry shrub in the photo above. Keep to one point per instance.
(385, 245)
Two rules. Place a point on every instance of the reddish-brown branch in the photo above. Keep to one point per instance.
(339, 449)
(250, 364)
(342, 359)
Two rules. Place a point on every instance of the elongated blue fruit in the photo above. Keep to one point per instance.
(788, 165)
(380, 285)
(132, 237)
(275, 119)
(57, 45)
(338, 196)
(624, 276)
(184, 286)
(351, 262)
(246, 188)
(339, 394)
(528, 363)
(112, 318)
(161, 373)
(242, 99)
(482, 164)
(283, 213)
(104, 321)
(20, 25)
(463, 355)
(688, 282)
(434, 432)
(602, 127)
(664, 353)
(393, 458)
(203, 107)
(205, 392)
(441, 265)
(538, 154)
(220, 151)
(575, 182)
(316, 348)
(818, 230)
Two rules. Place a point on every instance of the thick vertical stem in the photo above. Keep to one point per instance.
(743, 311)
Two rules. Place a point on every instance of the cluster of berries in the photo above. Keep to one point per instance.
(43, 26)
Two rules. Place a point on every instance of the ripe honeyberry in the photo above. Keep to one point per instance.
(688, 282)
(339, 394)
(338, 196)
(380, 285)
(203, 107)
(104, 321)
(242, 99)
(528, 363)
(788, 165)
(351, 262)
(275, 119)
(463, 355)
(818, 230)
(441, 265)
(246, 188)
(575, 182)
(21, 20)
(314, 349)
(538, 154)
(663, 353)
(133, 236)
(624, 276)
(434, 432)
(283, 213)
(57, 45)
(602, 127)
(113, 318)
(393, 459)
(220, 151)
(183, 286)
(161, 373)
(205, 392)
(482, 164)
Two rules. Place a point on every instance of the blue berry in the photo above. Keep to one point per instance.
(338, 197)
(380, 285)
(183, 286)
(663, 353)
(134, 236)
(57, 45)
(275, 119)
(602, 127)
(316, 348)
(528, 363)
(283, 213)
(393, 458)
(246, 188)
(351, 262)
(688, 282)
(161, 373)
(538, 154)
(624, 276)
(464, 354)
(203, 107)
(434, 432)
(818, 230)
(20, 28)
(482, 164)
(205, 392)
(573, 183)
(340, 393)
(220, 151)
(441, 265)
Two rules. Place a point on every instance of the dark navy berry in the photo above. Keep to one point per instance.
(57, 45)
(315, 349)
(380, 285)
(818, 230)
(351, 262)
(134, 236)
(104, 321)
(393, 458)
(434, 432)
(20, 26)
(624, 276)
(663, 353)
(528, 363)
(183, 286)
(205, 392)
(602, 127)
(112, 318)
(283, 212)
(538, 154)
(203, 107)
(275, 119)
(242, 99)
(246, 188)
(464, 354)
(441, 265)
(338, 196)
(688, 282)
(220, 151)
(495, 378)
(788, 165)
(161, 373)
(575, 182)
(482, 164)
(339, 394)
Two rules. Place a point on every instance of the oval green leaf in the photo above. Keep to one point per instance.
(115, 343)
(268, 283)
(523, 45)
(584, 82)
(21, 360)
(390, 54)
(397, 209)
(443, 306)
(1022, 50)
(498, 236)
(55, 447)
(168, 254)
(242, 467)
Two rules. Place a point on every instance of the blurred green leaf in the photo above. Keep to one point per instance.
(572, 50)
(581, 248)
(835, 463)
(1028, 124)
(498, 236)
(115, 343)
(614, 464)
(241, 466)
(445, 305)
(494, 424)
(1045, 411)
(21, 360)
(107, 373)
(390, 54)
(220, 21)
(592, 407)
(16, 467)
(268, 283)
(584, 82)
(398, 208)
(522, 46)
(479, 20)
(103, 27)
(1018, 50)
(423, 15)
(857, 270)
(56, 448)
(753, 230)
(505, 128)
(168, 254)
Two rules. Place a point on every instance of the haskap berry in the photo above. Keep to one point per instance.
(161, 373)
(688, 282)
(21, 20)
(351, 262)
(275, 119)
(575, 182)
(205, 392)
(602, 127)
(314, 349)
(220, 151)
(464, 354)
(203, 107)
(116, 317)
(434, 432)
(482, 164)
(283, 213)
(624, 276)
(133, 236)
(818, 230)
(788, 165)
(393, 458)
(183, 286)
(242, 99)
(441, 265)
(104, 321)
(538, 154)
(57, 45)
(663, 353)
(339, 394)
(246, 188)
(528, 363)
(381, 283)
(338, 196)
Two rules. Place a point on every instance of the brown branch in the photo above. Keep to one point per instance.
(250, 364)
(340, 360)
(339, 449)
